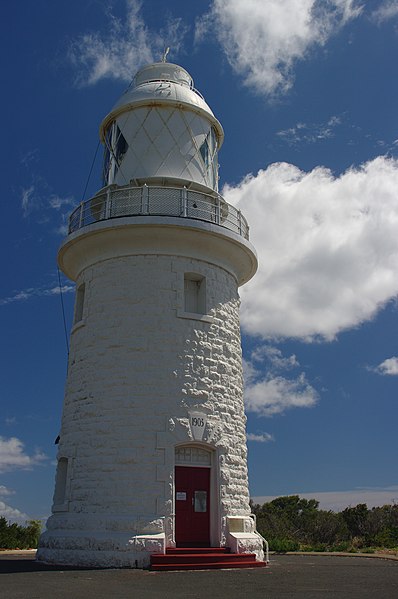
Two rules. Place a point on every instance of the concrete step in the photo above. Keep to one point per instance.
(202, 558)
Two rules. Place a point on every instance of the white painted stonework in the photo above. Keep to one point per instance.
(140, 370)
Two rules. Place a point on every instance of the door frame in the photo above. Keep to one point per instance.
(215, 524)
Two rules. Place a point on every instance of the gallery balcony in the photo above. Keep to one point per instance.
(115, 202)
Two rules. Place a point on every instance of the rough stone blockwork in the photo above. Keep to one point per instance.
(121, 393)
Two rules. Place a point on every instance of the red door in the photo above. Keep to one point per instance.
(192, 506)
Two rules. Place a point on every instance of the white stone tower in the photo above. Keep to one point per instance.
(152, 450)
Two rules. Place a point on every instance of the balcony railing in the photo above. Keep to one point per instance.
(117, 202)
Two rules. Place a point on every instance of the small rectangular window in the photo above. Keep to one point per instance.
(60, 481)
(79, 305)
(194, 293)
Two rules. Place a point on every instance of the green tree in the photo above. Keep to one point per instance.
(16, 536)
(356, 519)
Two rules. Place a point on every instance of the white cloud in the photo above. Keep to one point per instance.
(327, 246)
(12, 514)
(62, 230)
(260, 437)
(13, 456)
(274, 395)
(57, 202)
(387, 10)
(5, 492)
(274, 356)
(17, 297)
(26, 294)
(127, 46)
(270, 393)
(27, 195)
(8, 512)
(57, 290)
(388, 367)
(37, 198)
(309, 132)
(30, 157)
(263, 39)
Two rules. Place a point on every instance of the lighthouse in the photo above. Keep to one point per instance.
(152, 452)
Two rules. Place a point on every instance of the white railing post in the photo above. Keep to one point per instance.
(184, 201)
(218, 211)
(260, 536)
(145, 199)
(240, 222)
(108, 204)
(81, 216)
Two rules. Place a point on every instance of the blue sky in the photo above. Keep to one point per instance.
(306, 92)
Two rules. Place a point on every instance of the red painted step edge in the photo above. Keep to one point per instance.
(203, 558)
(195, 550)
(208, 557)
(207, 566)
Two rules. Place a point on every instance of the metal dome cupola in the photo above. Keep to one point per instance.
(161, 131)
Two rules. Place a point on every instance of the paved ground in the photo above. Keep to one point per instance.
(289, 576)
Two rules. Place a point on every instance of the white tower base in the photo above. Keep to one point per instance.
(171, 382)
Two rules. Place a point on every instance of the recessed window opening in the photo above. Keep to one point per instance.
(194, 293)
(208, 151)
(79, 303)
(60, 482)
(116, 147)
(120, 146)
(204, 152)
(107, 157)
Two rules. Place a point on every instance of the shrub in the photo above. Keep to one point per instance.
(368, 550)
(387, 537)
(291, 522)
(283, 545)
(344, 546)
